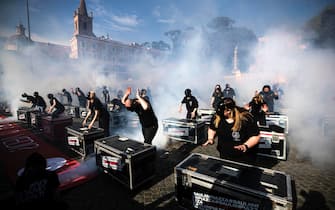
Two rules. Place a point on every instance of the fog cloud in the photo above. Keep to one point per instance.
(305, 75)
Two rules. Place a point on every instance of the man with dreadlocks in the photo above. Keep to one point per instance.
(236, 131)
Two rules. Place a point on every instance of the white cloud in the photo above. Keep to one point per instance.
(158, 14)
(156, 11)
(126, 20)
(169, 21)
(120, 22)
(114, 26)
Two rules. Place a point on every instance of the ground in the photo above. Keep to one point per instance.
(314, 183)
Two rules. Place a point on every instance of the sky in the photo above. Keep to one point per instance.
(305, 73)
(147, 20)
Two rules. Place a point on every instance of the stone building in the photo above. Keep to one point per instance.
(18, 41)
(85, 45)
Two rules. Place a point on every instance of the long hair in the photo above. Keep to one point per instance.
(238, 114)
(217, 87)
(258, 99)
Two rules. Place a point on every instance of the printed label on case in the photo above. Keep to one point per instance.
(178, 131)
(73, 141)
(210, 202)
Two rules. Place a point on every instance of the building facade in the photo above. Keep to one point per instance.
(86, 45)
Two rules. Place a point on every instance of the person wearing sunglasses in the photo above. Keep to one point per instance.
(236, 131)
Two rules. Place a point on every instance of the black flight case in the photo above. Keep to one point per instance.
(81, 140)
(54, 128)
(193, 131)
(24, 115)
(278, 119)
(206, 115)
(272, 144)
(36, 119)
(130, 162)
(205, 182)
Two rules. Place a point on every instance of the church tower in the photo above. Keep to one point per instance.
(83, 32)
(83, 23)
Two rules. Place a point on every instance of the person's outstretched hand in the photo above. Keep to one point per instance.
(128, 91)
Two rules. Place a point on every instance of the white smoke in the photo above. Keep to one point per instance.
(306, 77)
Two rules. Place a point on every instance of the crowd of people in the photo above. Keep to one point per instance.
(260, 104)
(97, 110)
(237, 128)
(234, 128)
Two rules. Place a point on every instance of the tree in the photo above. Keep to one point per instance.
(220, 38)
(175, 36)
(221, 23)
(223, 37)
(323, 27)
(161, 45)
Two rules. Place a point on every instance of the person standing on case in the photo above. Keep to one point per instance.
(236, 131)
(146, 114)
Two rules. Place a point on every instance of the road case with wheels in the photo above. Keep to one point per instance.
(81, 140)
(130, 162)
(193, 131)
(205, 182)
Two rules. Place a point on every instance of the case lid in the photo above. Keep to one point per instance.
(123, 144)
(223, 172)
(77, 128)
(183, 121)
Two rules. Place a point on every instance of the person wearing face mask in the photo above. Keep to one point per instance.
(99, 112)
(191, 104)
(217, 96)
(236, 131)
(229, 92)
(141, 105)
